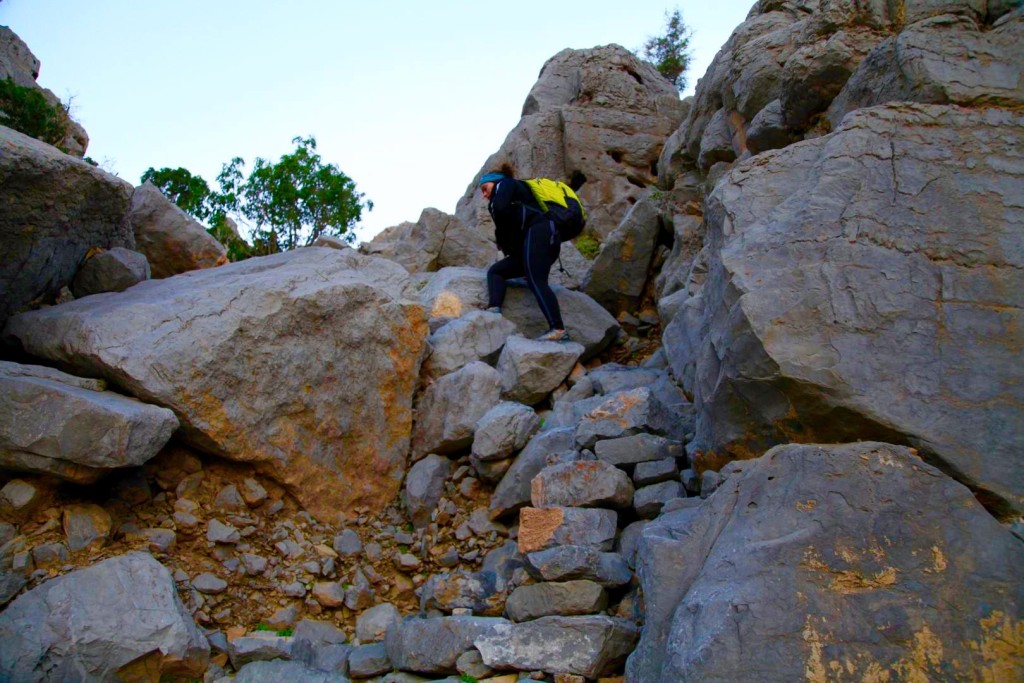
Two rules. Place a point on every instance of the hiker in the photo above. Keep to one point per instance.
(530, 242)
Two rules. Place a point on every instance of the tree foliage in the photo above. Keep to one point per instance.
(288, 203)
(26, 109)
(670, 51)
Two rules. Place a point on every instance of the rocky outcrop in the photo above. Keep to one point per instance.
(595, 118)
(822, 321)
(21, 66)
(437, 240)
(118, 619)
(50, 423)
(248, 333)
(172, 242)
(815, 558)
(55, 209)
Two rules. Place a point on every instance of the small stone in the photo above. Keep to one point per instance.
(49, 555)
(691, 482)
(229, 499)
(219, 532)
(284, 618)
(373, 551)
(86, 526)
(406, 562)
(463, 532)
(449, 558)
(254, 565)
(19, 496)
(471, 664)
(157, 540)
(637, 448)
(709, 482)
(649, 500)
(252, 492)
(329, 593)
(359, 595)
(209, 584)
(370, 660)
(295, 589)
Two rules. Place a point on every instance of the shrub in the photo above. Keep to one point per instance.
(26, 110)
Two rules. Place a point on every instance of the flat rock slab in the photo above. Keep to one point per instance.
(120, 618)
(649, 500)
(585, 483)
(568, 598)
(858, 557)
(433, 645)
(629, 450)
(230, 350)
(54, 423)
(543, 528)
(569, 562)
(530, 370)
(589, 646)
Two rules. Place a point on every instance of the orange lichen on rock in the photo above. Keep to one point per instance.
(537, 526)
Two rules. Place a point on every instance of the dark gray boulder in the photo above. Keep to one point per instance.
(857, 556)
(55, 209)
(433, 645)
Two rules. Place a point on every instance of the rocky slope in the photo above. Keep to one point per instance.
(783, 444)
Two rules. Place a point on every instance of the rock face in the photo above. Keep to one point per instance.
(170, 239)
(118, 619)
(595, 118)
(830, 324)
(435, 241)
(247, 333)
(50, 424)
(55, 209)
(783, 562)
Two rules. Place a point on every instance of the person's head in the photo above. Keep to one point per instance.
(488, 182)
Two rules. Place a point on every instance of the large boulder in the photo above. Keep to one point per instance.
(454, 292)
(857, 558)
(261, 361)
(57, 424)
(447, 412)
(437, 240)
(821, 321)
(55, 209)
(513, 491)
(120, 619)
(530, 370)
(597, 118)
(111, 270)
(171, 240)
(478, 335)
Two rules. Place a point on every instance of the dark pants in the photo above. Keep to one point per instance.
(540, 250)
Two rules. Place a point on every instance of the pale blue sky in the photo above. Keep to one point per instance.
(407, 98)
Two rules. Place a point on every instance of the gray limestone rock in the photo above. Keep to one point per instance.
(348, 543)
(437, 240)
(373, 624)
(433, 645)
(86, 525)
(100, 622)
(804, 543)
(478, 335)
(424, 486)
(630, 450)
(552, 598)
(209, 584)
(112, 270)
(44, 191)
(259, 646)
(569, 562)
(530, 370)
(366, 661)
(589, 646)
(50, 424)
(482, 592)
(655, 472)
(513, 492)
(541, 528)
(768, 129)
(503, 430)
(624, 413)
(169, 238)
(649, 500)
(280, 670)
(619, 273)
(845, 270)
(454, 292)
(592, 483)
(447, 412)
(267, 404)
(321, 646)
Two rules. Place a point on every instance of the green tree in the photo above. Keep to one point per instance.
(670, 52)
(290, 203)
(26, 109)
(294, 201)
(189, 192)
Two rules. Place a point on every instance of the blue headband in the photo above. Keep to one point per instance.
(491, 178)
